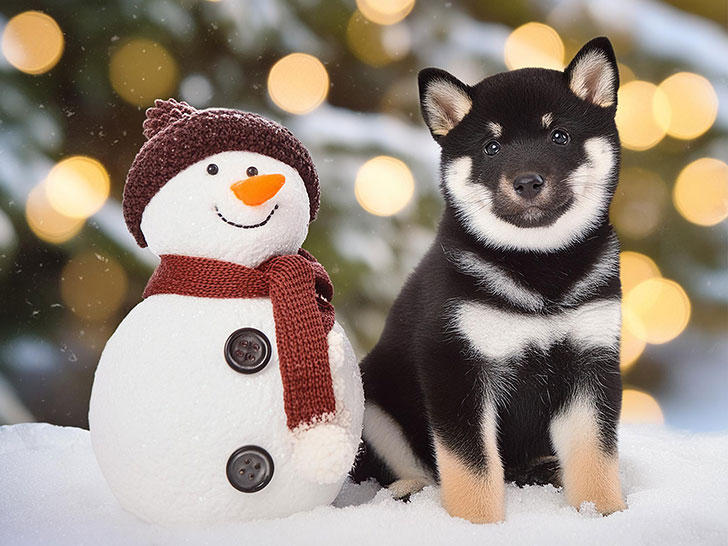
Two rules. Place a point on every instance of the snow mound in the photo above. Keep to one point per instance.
(52, 492)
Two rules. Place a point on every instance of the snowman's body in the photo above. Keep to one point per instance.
(183, 429)
(167, 412)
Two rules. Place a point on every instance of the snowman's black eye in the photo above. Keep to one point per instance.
(559, 136)
(493, 147)
(252, 171)
(212, 169)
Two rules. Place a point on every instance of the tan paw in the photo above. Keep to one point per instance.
(402, 488)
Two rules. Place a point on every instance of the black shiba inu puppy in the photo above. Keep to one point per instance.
(500, 357)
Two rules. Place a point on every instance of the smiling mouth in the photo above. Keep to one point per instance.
(251, 226)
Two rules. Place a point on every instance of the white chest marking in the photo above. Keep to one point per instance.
(500, 334)
(597, 276)
(497, 281)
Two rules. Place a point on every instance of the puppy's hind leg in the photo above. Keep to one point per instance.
(384, 436)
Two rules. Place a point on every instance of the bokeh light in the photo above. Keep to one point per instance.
(693, 104)
(32, 42)
(93, 286)
(643, 114)
(656, 310)
(701, 192)
(635, 268)
(385, 12)
(534, 45)
(626, 74)
(639, 205)
(384, 185)
(640, 407)
(298, 83)
(630, 349)
(376, 45)
(142, 70)
(45, 221)
(77, 186)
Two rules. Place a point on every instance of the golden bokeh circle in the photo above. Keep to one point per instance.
(77, 186)
(32, 42)
(643, 115)
(626, 74)
(45, 221)
(376, 45)
(693, 104)
(534, 45)
(93, 286)
(298, 83)
(635, 268)
(385, 12)
(640, 407)
(141, 70)
(656, 310)
(631, 348)
(701, 192)
(384, 185)
(640, 202)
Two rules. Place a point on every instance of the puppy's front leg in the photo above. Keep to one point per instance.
(586, 445)
(471, 472)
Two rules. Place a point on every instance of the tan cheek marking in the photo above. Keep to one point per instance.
(588, 473)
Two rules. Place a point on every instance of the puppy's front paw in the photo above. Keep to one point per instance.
(477, 496)
(608, 506)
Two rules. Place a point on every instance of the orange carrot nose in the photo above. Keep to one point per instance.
(256, 190)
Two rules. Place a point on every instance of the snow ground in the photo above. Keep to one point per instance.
(52, 492)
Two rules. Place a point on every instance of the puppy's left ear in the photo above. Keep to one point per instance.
(592, 75)
(444, 101)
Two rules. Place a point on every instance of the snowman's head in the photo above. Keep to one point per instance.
(219, 184)
(241, 207)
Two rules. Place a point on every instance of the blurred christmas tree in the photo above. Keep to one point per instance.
(76, 76)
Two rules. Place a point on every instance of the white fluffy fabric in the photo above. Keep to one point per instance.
(167, 412)
(324, 453)
(52, 492)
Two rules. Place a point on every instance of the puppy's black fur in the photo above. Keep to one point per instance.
(428, 375)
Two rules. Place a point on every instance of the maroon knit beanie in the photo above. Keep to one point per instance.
(179, 135)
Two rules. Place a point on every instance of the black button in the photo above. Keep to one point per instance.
(247, 350)
(250, 469)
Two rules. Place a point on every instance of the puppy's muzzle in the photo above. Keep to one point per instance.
(528, 185)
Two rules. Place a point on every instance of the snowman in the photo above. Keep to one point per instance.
(229, 393)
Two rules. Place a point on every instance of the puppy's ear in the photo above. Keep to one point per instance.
(444, 100)
(592, 75)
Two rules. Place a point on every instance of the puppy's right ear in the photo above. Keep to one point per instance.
(444, 100)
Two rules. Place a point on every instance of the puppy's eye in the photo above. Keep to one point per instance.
(493, 147)
(212, 169)
(252, 171)
(559, 136)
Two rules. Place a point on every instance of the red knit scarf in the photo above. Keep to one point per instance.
(299, 289)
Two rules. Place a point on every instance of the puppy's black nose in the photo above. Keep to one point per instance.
(528, 185)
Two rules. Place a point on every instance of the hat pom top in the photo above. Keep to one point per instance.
(163, 114)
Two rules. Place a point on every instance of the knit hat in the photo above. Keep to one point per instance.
(179, 135)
